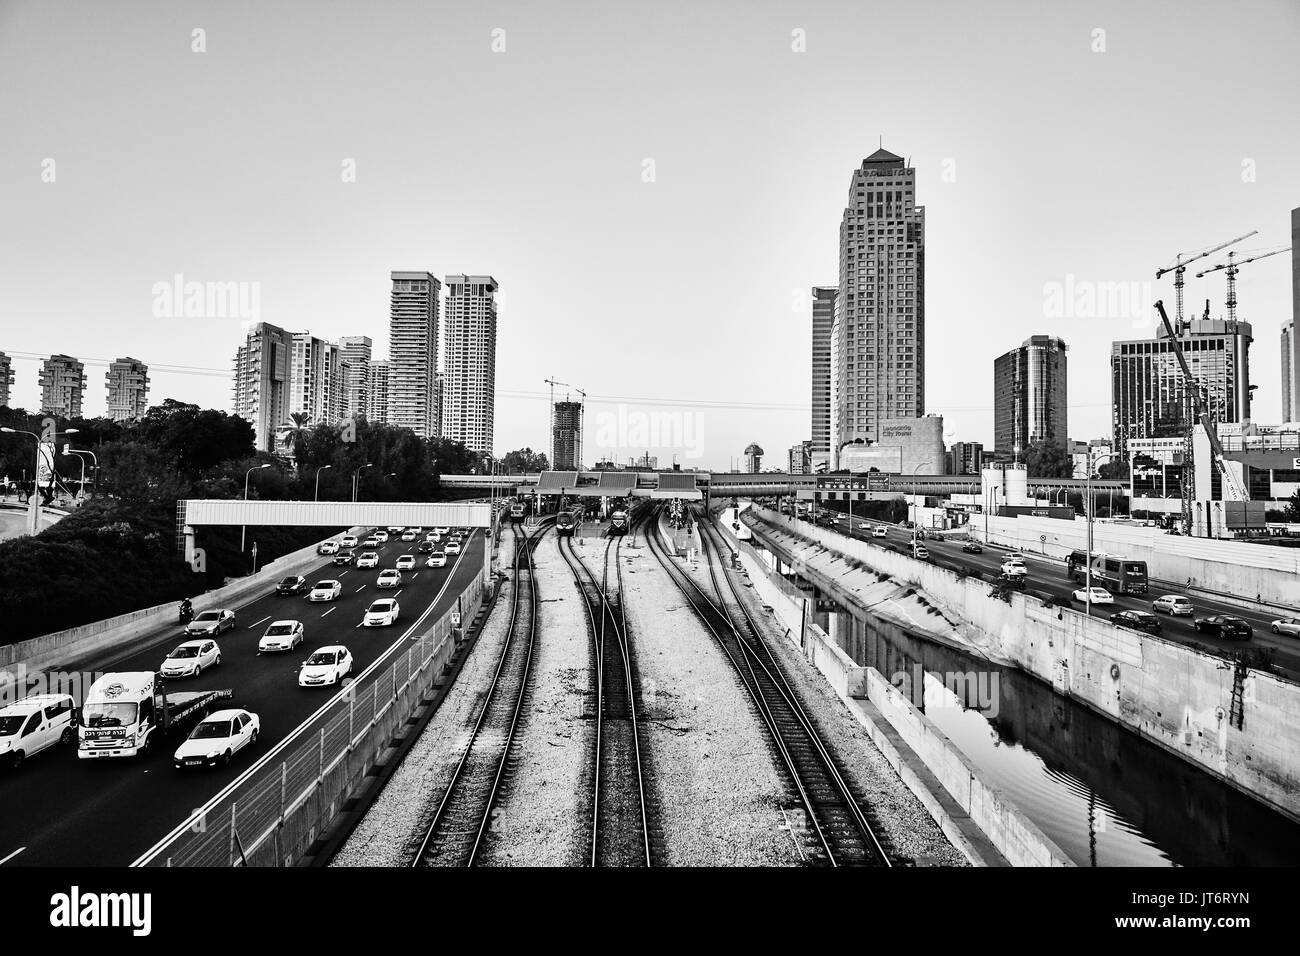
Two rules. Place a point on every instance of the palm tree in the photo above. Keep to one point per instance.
(293, 433)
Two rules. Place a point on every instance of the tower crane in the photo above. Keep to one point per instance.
(1234, 266)
(1179, 266)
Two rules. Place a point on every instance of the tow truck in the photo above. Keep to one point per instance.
(125, 713)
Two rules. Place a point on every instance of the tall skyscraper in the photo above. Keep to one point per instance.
(1148, 397)
(413, 352)
(376, 410)
(470, 361)
(878, 340)
(566, 436)
(261, 389)
(1291, 353)
(753, 458)
(1029, 395)
(356, 353)
(1290, 393)
(318, 377)
(823, 320)
(6, 378)
(128, 389)
(63, 382)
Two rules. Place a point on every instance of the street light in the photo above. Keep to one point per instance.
(1088, 508)
(316, 497)
(356, 480)
(79, 453)
(34, 508)
(916, 514)
(243, 529)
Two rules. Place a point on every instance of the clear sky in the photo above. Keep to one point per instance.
(1038, 156)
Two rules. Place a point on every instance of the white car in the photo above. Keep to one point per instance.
(441, 530)
(408, 535)
(406, 562)
(880, 531)
(348, 541)
(328, 665)
(191, 659)
(36, 723)
(1099, 596)
(325, 590)
(433, 536)
(389, 579)
(370, 542)
(1289, 626)
(395, 529)
(211, 623)
(1014, 569)
(368, 560)
(381, 613)
(217, 738)
(452, 547)
(381, 536)
(1174, 604)
(437, 559)
(328, 547)
(281, 636)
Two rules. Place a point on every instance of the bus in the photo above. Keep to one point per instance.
(1114, 572)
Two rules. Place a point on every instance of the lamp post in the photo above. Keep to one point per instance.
(34, 507)
(316, 496)
(356, 481)
(243, 529)
(1088, 508)
(916, 514)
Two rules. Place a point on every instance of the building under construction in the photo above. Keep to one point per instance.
(566, 436)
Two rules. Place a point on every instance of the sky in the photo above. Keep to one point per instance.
(654, 186)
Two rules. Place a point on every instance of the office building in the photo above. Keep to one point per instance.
(907, 446)
(63, 383)
(646, 462)
(376, 410)
(799, 459)
(1029, 396)
(966, 458)
(6, 379)
(1148, 397)
(1291, 341)
(753, 459)
(1089, 456)
(356, 351)
(566, 436)
(469, 368)
(261, 388)
(823, 321)
(413, 353)
(878, 338)
(128, 389)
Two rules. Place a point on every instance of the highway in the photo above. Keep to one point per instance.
(1047, 576)
(58, 810)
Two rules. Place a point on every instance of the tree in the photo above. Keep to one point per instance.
(137, 474)
(293, 433)
(1048, 460)
(1116, 469)
(1293, 507)
(195, 439)
(524, 461)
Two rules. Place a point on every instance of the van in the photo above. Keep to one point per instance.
(34, 724)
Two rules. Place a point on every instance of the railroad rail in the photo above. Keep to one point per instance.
(835, 824)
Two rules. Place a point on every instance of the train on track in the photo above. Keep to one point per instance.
(731, 517)
(518, 510)
(569, 520)
(619, 521)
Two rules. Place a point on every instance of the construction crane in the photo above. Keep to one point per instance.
(1232, 487)
(577, 452)
(1233, 266)
(1179, 266)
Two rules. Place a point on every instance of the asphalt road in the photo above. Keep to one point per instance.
(58, 810)
(1047, 575)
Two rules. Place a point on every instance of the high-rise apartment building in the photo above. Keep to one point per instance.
(128, 389)
(800, 458)
(413, 352)
(356, 351)
(318, 379)
(1029, 395)
(376, 410)
(63, 382)
(753, 458)
(469, 367)
(823, 321)
(566, 436)
(966, 458)
(1291, 341)
(6, 379)
(878, 339)
(261, 388)
(1148, 397)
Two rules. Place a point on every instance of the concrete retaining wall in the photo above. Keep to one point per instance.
(1172, 694)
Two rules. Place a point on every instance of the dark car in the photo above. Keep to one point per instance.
(970, 547)
(424, 547)
(1138, 620)
(344, 557)
(1224, 625)
(294, 584)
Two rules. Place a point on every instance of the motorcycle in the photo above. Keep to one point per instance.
(186, 614)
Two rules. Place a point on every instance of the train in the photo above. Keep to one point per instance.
(569, 520)
(741, 530)
(619, 520)
(519, 510)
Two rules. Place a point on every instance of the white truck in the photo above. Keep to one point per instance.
(125, 713)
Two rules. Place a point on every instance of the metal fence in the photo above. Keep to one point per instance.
(273, 813)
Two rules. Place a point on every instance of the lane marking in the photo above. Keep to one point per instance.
(12, 855)
(359, 590)
(329, 612)
(262, 621)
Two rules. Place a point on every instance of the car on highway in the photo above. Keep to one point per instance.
(1014, 569)
(970, 547)
(880, 531)
(326, 590)
(424, 547)
(408, 535)
(191, 659)
(1223, 625)
(368, 560)
(394, 529)
(452, 547)
(348, 541)
(327, 547)
(382, 536)
(370, 542)
(920, 552)
(293, 584)
(389, 579)
(216, 739)
(1174, 604)
(440, 530)
(1138, 620)
(1289, 626)
(433, 536)
(381, 613)
(406, 562)
(1099, 596)
(326, 665)
(437, 559)
(36, 723)
(344, 558)
(281, 636)
(211, 622)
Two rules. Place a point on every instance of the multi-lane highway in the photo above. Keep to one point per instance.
(1048, 576)
(59, 810)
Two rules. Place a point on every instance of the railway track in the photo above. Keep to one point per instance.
(620, 832)
(834, 823)
(460, 824)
